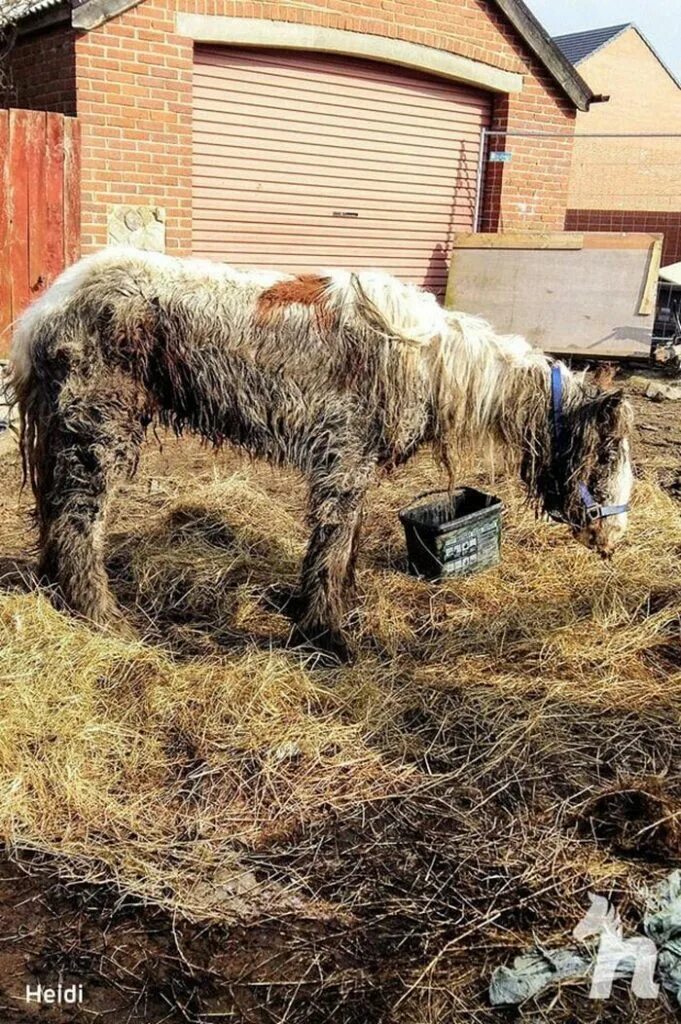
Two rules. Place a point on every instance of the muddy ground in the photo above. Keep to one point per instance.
(136, 963)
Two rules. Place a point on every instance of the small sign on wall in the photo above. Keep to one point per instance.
(143, 227)
(499, 157)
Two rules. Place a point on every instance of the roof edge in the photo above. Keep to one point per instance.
(548, 52)
(40, 21)
(52, 12)
(606, 42)
(93, 13)
(611, 39)
(655, 54)
(90, 14)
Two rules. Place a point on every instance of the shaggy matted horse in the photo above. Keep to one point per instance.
(339, 374)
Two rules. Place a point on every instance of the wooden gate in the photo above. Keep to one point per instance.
(39, 206)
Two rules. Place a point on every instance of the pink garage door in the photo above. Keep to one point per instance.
(305, 160)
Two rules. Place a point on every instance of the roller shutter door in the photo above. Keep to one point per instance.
(304, 160)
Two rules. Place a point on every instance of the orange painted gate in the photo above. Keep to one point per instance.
(39, 206)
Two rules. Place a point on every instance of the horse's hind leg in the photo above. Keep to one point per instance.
(94, 438)
(328, 568)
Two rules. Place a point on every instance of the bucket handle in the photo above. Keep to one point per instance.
(428, 494)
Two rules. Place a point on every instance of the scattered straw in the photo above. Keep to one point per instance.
(439, 783)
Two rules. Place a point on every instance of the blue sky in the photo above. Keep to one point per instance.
(659, 20)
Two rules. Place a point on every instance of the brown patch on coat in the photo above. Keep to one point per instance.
(304, 290)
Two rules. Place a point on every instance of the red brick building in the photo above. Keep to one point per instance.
(293, 134)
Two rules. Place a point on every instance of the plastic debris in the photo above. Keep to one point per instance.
(540, 969)
(664, 392)
(662, 923)
(533, 972)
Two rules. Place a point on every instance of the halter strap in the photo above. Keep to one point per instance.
(596, 511)
(592, 508)
(557, 402)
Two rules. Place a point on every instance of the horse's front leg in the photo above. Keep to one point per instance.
(337, 497)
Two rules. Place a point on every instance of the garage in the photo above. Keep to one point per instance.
(303, 160)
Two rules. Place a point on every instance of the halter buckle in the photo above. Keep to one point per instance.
(593, 512)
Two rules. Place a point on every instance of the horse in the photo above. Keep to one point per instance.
(342, 375)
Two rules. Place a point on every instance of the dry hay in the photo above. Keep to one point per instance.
(434, 807)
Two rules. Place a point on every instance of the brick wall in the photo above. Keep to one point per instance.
(43, 71)
(667, 222)
(629, 173)
(629, 184)
(134, 102)
(530, 192)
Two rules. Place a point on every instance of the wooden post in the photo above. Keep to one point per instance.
(71, 191)
(5, 279)
(54, 198)
(35, 154)
(18, 209)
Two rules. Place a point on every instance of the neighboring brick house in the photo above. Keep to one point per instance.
(627, 184)
(295, 133)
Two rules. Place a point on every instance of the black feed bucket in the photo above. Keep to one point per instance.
(458, 535)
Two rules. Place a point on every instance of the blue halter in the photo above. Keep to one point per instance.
(592, 508)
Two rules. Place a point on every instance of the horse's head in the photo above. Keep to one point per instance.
(607, 495)
(586, 477)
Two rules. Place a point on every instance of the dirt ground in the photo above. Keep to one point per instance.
(140, 963)
(658, 438)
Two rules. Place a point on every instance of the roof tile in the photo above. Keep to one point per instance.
(577, 46)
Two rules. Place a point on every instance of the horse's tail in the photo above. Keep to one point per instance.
(44, 340)
(30, 391)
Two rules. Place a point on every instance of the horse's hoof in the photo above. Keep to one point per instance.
(330, 646)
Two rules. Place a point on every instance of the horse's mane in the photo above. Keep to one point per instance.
(394, 309)
(486, 382)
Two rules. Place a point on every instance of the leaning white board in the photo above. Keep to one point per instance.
(583, 294)
(671, 274)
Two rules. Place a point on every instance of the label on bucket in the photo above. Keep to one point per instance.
(468, 550)
(461, 554)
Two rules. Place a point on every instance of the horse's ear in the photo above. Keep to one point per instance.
(613, 413)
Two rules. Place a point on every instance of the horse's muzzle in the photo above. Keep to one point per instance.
(602, 536)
